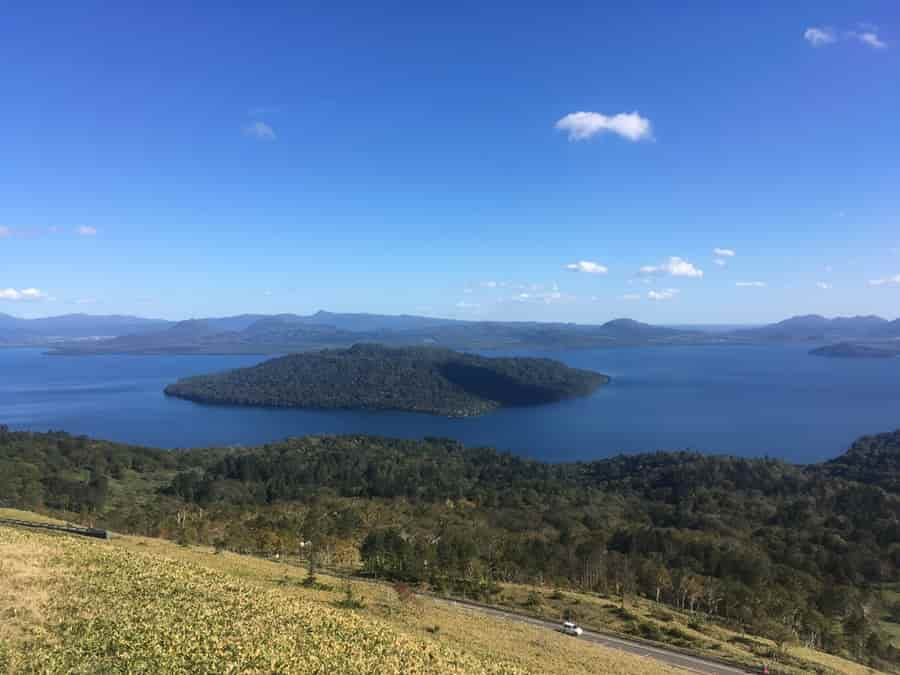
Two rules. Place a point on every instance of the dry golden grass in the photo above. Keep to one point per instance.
(829, 661)
(481, 641)
(138, 605)
(26, 577)
(711, 640)
(16, 514)
(488, 638)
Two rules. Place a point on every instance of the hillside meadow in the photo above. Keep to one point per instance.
(139, 604)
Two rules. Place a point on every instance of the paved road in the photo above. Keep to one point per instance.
(689, 663)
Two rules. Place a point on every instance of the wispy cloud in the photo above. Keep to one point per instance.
(631, 296)
(819, 36)
(260, 131)
(664, 294)
(886, 281)
(822, 36)
(5, 231)
(537, 293)
(462, 304)
(588, 267)
(724, 252)
(750, 284)
(824, 285)
(675, 266)
(584, 125)
(23, 295)
(721, 262)
(86, 231)
(868, 38)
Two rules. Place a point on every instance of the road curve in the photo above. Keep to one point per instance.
(693, 664)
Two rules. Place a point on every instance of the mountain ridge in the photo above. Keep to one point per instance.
(287, 332)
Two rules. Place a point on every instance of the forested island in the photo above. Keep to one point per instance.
(802, 553)
(374, 377)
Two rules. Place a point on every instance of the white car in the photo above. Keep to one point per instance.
(570, 628)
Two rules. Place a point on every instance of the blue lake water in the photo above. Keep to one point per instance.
(745, 400)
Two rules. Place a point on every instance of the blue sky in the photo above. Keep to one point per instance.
(413, 157)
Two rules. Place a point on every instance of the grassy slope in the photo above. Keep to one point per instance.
(891, 594)
(484, 639)
(644, 619)
(142, 605)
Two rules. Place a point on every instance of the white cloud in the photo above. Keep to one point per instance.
(819, 37)
(824, 285)
(724, 252)
(886, 281)
(588, 267)
(86, 301)
(750, 284)
(23, 295)
(537, 294)
(462, 304)
(868, 38)
(584, 125)
(260, 131)
(86, 230)
(490, 284)
(675, 266)
(721, 262)
(822, 36)
(631, 296)
(4, 231)
(664, 294)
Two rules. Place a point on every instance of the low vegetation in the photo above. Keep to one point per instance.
(372, 377)
(141, 606)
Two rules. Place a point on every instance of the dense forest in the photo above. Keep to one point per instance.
(373, 377)
(794, 552)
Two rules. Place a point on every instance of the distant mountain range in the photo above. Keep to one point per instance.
(813, 327)
(283, 333)
(73, 327)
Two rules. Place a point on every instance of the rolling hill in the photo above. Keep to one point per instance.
(742, 559)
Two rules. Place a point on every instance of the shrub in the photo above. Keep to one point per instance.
(350, 600)
(651, 631)
(404, 593)
(661, 615)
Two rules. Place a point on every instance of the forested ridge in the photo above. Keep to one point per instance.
(374, 377)
(794, 552)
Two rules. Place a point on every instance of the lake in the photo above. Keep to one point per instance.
(743, 400)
